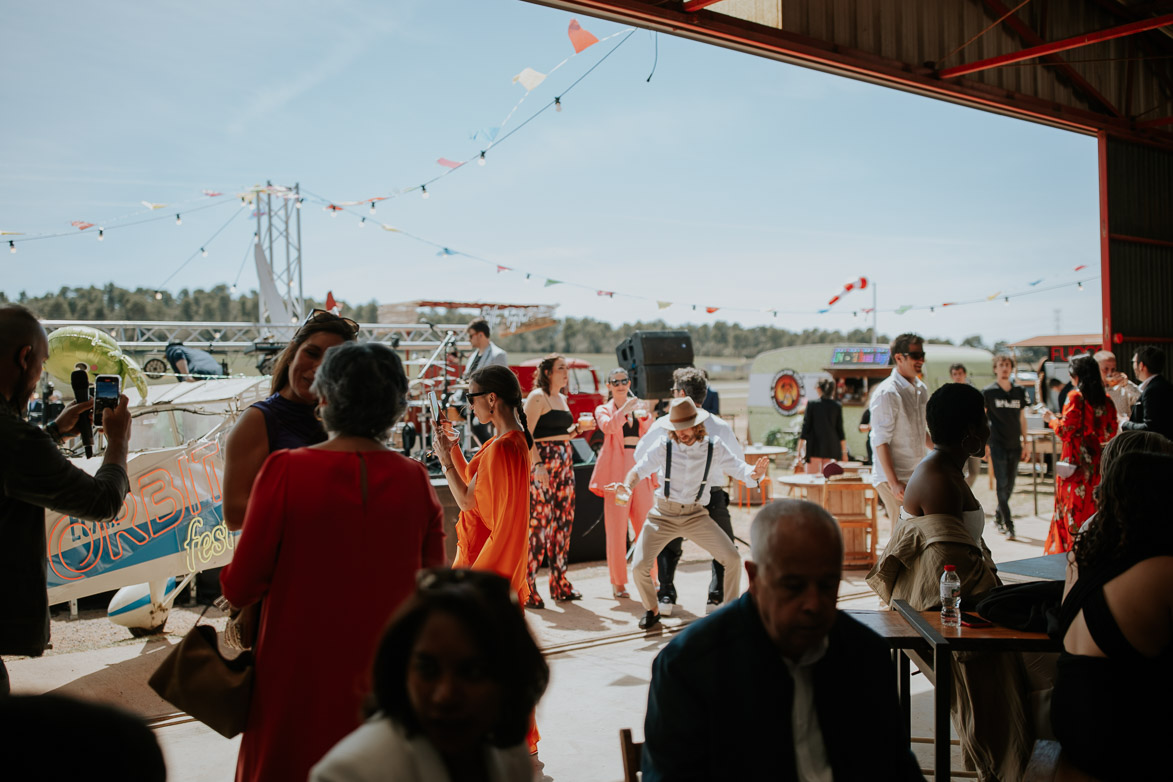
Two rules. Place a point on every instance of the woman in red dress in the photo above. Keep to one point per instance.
(333, 537)
(1088, 421)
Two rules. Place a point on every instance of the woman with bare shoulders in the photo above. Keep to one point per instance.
(1117, 623)
(286, 418)
(551, 425)
(941, 523)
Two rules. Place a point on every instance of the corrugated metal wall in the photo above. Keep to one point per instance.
(1140, 205)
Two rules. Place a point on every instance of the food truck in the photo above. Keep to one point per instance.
(781, 381)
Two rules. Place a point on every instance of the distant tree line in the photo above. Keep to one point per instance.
(569, 335)
(113, 303)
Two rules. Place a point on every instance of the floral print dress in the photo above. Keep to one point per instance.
(1082, 429)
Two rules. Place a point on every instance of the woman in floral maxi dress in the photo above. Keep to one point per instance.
(1087, 422)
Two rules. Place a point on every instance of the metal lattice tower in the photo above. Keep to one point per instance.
(279, 234)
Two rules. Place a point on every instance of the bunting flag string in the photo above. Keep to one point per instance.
(116, 222)
(859, 284)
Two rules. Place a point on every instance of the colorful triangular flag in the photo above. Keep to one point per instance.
(501, 268)
(903, 309)
(550, 282)
(81, 225)
(663, 304)
(448, 163)
(580, 38)
(711, 310)
(211, 193)
(529, 78)
(149, 205)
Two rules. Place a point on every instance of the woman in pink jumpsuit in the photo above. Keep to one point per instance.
(623, 420)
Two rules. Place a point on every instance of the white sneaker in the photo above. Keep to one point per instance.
(666, 606)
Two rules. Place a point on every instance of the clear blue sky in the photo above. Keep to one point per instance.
(727, 181)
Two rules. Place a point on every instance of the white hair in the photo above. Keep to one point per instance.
(770, 517)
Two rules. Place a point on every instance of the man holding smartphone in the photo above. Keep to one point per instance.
(34, 475)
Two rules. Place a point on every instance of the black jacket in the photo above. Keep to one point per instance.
(720, 701)
(34, 475)
(822, 428)
(1154, 411)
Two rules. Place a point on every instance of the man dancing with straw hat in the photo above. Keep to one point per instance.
(687, 460)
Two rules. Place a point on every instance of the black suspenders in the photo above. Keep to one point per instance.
(668, 470)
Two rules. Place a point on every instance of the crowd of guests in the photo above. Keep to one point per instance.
(432, 671)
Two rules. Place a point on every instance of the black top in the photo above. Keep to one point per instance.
(553, 423)
(1004, 409)
(34, 475)
(1154, 411)
(630, 427)
(290, 424)
(822, 428)
(1102, 708)
(725, 664)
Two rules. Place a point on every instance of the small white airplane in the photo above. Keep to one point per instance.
(171, 525)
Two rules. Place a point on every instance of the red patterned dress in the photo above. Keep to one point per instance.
(1082, 429)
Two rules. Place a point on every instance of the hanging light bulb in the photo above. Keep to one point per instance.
(12, 247)
(243, 203)
(232, 290)
(203, 252)
(372, 207)
(423, 191)
(297, 203)
(1006, 301)
(481, 159)
(1081, 286)
(558, 103)
(178, 219)
(158, 295)
(932, 310)
(334, 212)
(101, 234)
(362, 222)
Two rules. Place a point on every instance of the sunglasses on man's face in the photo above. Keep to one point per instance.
(915, 355)
(325, 316)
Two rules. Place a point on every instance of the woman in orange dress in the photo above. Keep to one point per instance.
(492, 490)
(1088, 421)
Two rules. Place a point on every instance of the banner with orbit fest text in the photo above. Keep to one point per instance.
(171, 524)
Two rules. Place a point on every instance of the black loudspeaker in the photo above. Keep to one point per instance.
(650, 358)
(588, 536)
(655, 347)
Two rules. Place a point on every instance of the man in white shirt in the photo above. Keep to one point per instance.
(487, 355)
(694, 383)
(899, 433)
(1122, 391)
(685, 459)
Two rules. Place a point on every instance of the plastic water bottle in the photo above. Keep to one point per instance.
(950, 598)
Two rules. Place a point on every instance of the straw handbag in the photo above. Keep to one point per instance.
(197, 678)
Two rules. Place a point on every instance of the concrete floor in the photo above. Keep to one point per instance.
(600, 664)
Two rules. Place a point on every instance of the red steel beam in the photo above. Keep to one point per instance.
(1058, 46)
(1105, 243)
(1027, 33)
(692, 6)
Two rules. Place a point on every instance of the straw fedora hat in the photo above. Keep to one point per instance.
(682, 414)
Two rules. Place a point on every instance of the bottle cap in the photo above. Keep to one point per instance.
(949, 568)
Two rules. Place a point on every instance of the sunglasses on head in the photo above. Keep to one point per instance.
(915, 355)
(325, 316)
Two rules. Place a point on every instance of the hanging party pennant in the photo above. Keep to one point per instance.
(993, 296)
(390, 228)
(149, 205)
(609, 294)
(501, 268)
(711, 310)
(446, 251)
(332, 208)
(1080, 268)
(11, 233)
(550, 282)
(1036, 282)
(579, 38)
(529, 78)
(81, 225)
(903, 309)
(211, 193)
(487, 134)
(663, 304)
(448, 163)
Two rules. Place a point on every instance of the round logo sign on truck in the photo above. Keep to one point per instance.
(787, 392)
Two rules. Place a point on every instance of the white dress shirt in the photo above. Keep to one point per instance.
(688, 467)
(810, 753)
(898, 421)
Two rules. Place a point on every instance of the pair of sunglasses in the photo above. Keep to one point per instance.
(622, 382)
(325, 316)
(916, 355)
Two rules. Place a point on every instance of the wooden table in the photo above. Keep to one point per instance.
(854, 504)
(903, 639)
(947, 641)
(761, 494)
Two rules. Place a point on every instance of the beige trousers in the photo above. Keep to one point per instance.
(669, 520)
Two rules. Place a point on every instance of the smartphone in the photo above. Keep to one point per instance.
(973, 620)
(107, 389)
(434, 403)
